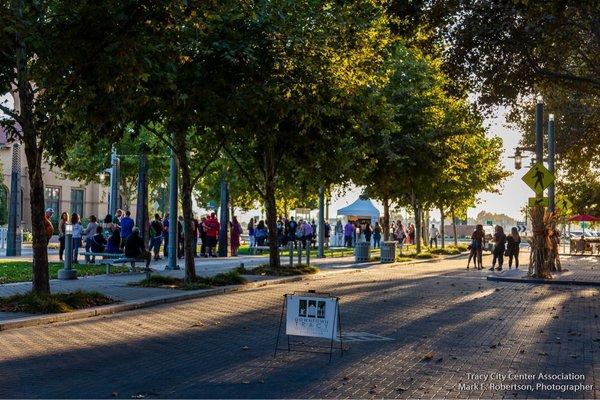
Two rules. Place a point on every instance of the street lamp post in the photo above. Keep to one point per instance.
(224, 218)
(172, 253)
(142, 194)
(114, 182)
(551, 142)
(67, 272)
(321, 234)
(13, 242)
(539, 130)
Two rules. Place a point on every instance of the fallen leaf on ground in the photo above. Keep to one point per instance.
(245, 348)
(427, 357)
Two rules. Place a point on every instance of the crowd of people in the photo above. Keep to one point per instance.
(502, 246)
(301, 232)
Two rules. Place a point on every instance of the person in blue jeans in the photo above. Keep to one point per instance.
(77, 235)
(376, 235)
(127, 224)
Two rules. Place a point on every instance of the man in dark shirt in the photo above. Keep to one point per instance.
(135, 247)
(97, 243)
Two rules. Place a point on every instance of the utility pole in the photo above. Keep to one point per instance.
(114, 182)
(13, 242)
(321, 235)
(141, 214)
(224, 217)
(172, 246)
(551, 143)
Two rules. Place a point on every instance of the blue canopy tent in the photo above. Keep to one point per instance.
(361, 209)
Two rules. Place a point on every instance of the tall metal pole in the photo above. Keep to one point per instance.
(321, 235)
(141, 214)
(13, 242)
(114, 182)
(68, 272)
(172, 264)
(224, 219)
(539, 131)
(551, 199)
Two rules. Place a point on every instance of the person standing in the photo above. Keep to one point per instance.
(339, 233)
(327, 234)
(212, 227)
(156, 234)
(89, 233)
(202, 232)
(180, 237)
(433, 235)
(64, 219)
(127, 224)
(292, 227)
(477, 243)
(48, 227)
(77, 236)
(368, 231)
(196, 232)
(166, 235)
(308, 232)
(513, 242)
(236, 232)
(251, 233)
(377, 235)
(348, 234)
(411, 233)
(499, 248)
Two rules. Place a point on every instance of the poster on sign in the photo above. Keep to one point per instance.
(312, 316)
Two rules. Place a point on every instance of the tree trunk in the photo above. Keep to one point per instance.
(41, 278)
(454, 226)
(33, 153)
(186, 206)
(442, 226)
(425, 227)
(270, 206)
(386, 219)
(417, 211)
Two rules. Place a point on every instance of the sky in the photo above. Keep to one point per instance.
(513, 192)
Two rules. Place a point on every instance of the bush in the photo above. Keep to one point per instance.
(27, 236)
(446, 251)
(53, 303)
(266, 270)
(424, 256)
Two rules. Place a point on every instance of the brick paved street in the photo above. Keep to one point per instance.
(197, 348)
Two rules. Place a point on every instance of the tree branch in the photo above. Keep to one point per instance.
(243, 171)
(207, 164)
(160, 137)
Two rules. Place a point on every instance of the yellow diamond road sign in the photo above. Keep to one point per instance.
(538, 201)
(564, 204)
(538, 178)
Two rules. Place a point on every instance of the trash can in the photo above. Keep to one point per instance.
(362, 251)
(388, 252)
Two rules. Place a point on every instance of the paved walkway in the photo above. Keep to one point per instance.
(450, 333)
(116, 285)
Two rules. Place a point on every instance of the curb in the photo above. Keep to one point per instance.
(542, 281)
(177, 297)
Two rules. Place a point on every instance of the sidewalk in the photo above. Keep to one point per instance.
(576, 270)
(116, 285)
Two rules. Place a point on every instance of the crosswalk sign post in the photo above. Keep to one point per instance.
(538, 201)
(538, 178)
(564, 204)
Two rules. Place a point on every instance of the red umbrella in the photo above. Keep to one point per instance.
(583, 218)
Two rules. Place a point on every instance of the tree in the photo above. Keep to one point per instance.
(504, 48)
(66, 64)
(311, 66)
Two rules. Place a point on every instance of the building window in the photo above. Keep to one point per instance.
(53, 198)
(53, 202)
(77, 201)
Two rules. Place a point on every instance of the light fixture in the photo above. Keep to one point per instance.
(518, 160)
(551, 117)
(540, 99)
(68, 229)
(102, 177)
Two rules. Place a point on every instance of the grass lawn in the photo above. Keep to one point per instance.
(20, 271)
(328, 253)
(222, 279)
(53, 303)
